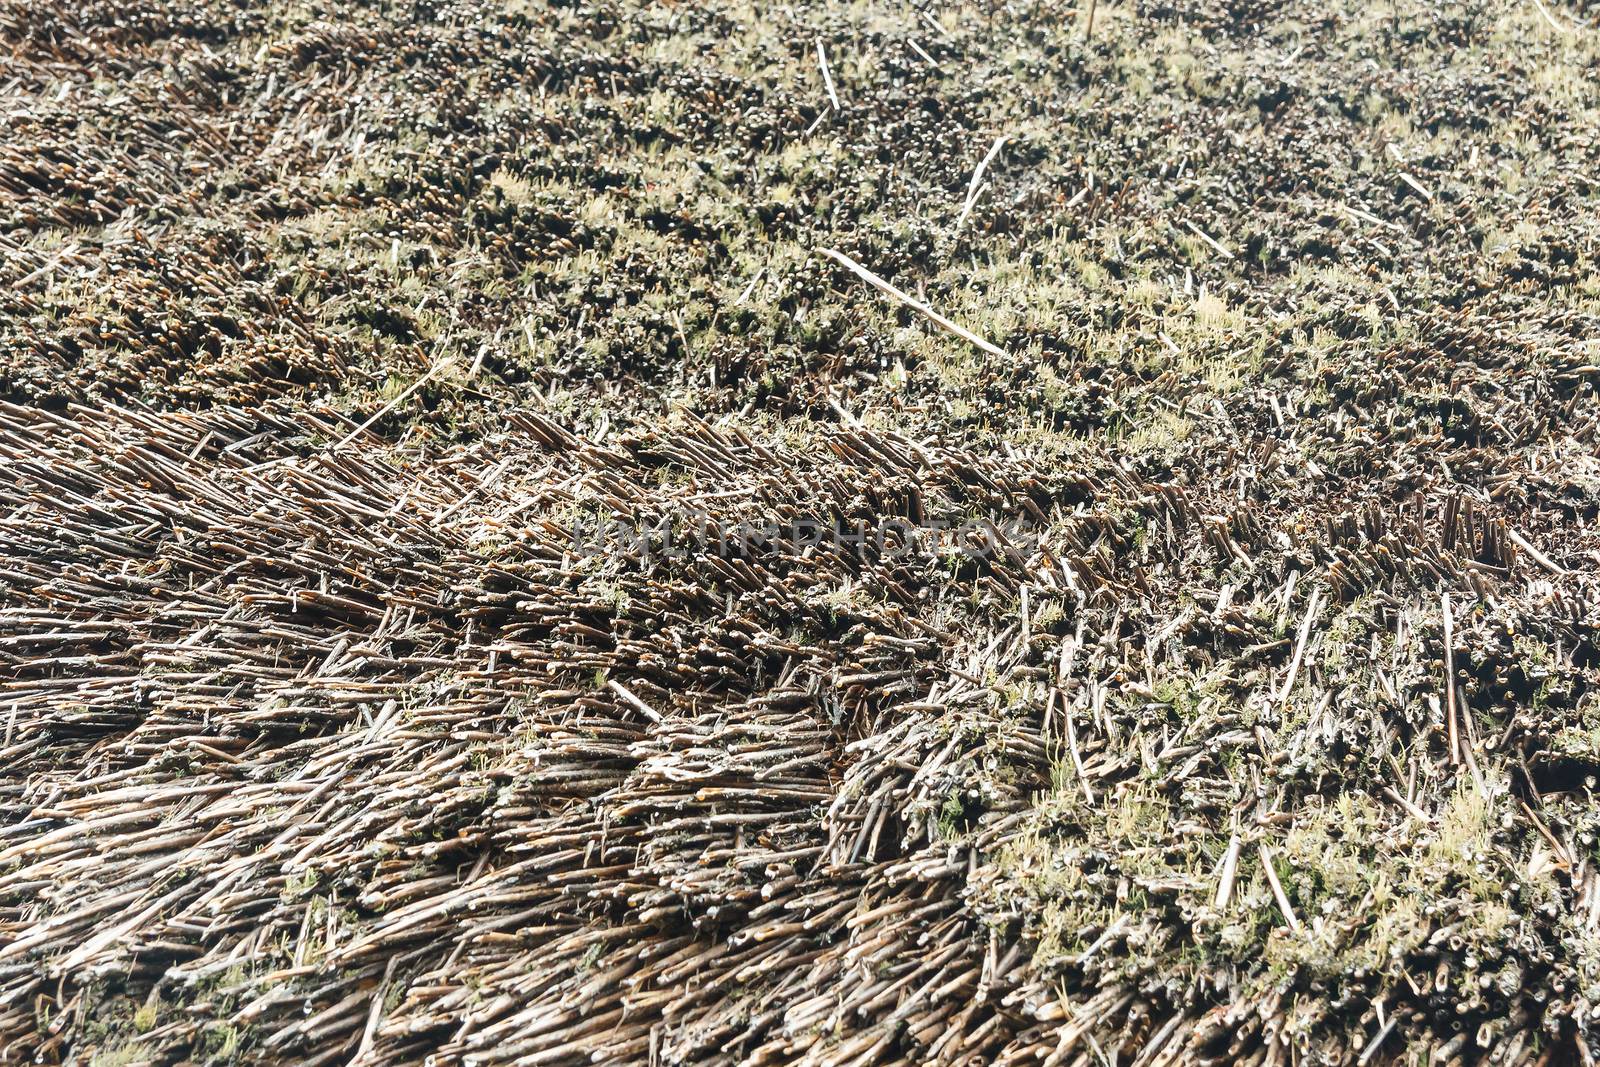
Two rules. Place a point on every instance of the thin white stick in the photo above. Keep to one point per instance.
(1230, 869)
(374, 1014)
(1421, 191)
(827, 75)
(1411, 809)
(1300, 645)
(1450, 678)
(967, 207)
(1554, 25)
(1077, 757)
(910, 301)
(1538, 557)
(917, 48)
(1277, 889)
(1198, 232)
(50, 265)
(977, 175)
(1367, 216)
(844, 414)
(634, 702)
(751, 287)
(391, 405)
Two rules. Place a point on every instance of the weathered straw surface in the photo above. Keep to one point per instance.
(1245, 713)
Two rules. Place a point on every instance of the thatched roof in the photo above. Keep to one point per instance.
(723, 534)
